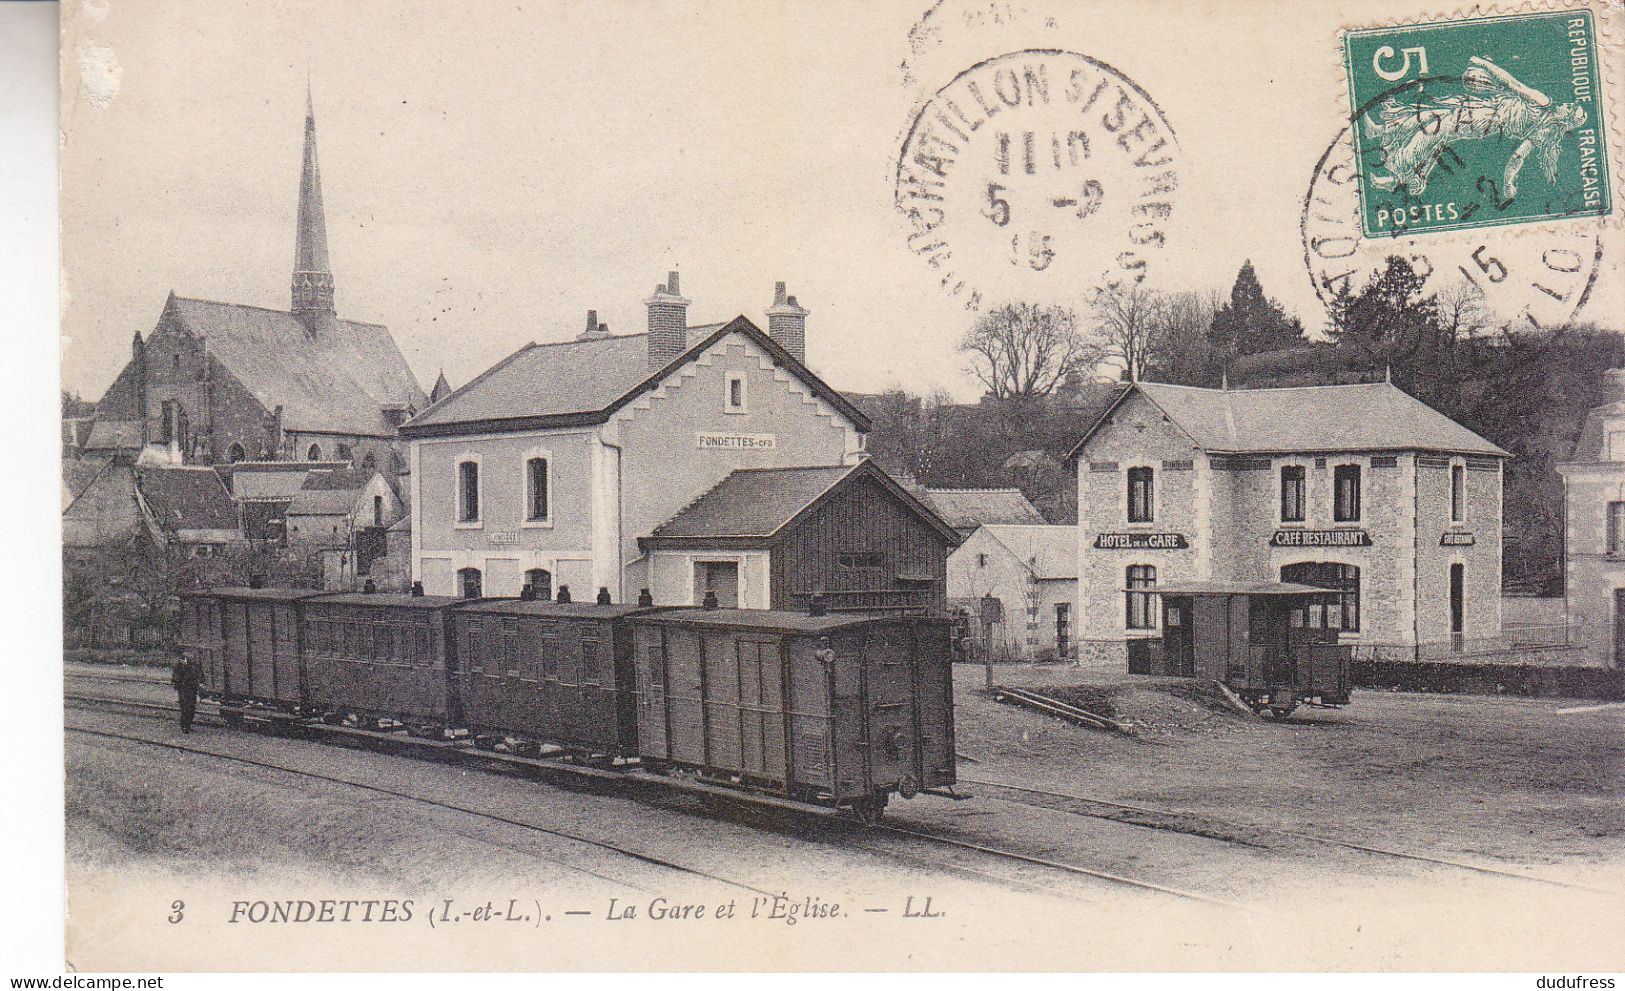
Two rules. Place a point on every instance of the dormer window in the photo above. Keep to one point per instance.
(1616, 445)
(734, 397)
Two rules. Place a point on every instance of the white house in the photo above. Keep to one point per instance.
(1033, 573)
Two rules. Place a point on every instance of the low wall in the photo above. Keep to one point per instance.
(1492, 679)
(1532, 610)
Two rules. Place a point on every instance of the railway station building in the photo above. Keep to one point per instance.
(1359, 489)
(552, 468)
(1594, 528)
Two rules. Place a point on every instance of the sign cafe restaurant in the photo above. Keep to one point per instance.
(1359, 489)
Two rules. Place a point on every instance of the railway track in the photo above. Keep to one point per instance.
(1225, 831)
(422, 800)
(161, 711)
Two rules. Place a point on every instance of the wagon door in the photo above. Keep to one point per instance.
(650, 658)
(892, 735)
(761, 715)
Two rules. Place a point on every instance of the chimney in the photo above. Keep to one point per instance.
(563, 594)
(787, 323)
(595, 330)
(603, 595)
(1613, 385)
(668, 323)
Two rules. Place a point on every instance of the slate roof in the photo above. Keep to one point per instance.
(1591, 446)
(186, 498)
(118, 421)
(1375, 416)
(584, 381)
(1050, 551)
(335, 381)
(755, 504)
(967, 509)
(329, 492)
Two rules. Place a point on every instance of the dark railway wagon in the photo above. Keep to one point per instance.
(1253, 639)
(549, 672)
(247, 643)
(840, 710)
(383, 656)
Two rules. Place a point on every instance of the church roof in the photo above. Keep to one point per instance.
(582, 381)
(334, 381)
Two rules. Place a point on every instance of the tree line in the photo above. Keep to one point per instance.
(1048, 371)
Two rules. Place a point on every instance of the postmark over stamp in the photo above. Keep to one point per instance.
(1485, 122)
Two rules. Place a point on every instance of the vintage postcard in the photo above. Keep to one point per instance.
(957, 486)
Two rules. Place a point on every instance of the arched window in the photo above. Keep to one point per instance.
(369, 463)
(315, 453)
(536, 490)
(235, 453)
(1339, 611)
(344, 452)
(1141, 603)
(468, 492)
(540, 581)
(377, 510)
(468, 583)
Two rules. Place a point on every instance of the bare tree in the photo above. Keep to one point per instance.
(1022, 350)
(1133, 325)
(1462, 311)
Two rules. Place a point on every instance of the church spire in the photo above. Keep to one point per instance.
(312, 275)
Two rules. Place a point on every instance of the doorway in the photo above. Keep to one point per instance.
(1619, 627)
(1458, 604)
(721, 577)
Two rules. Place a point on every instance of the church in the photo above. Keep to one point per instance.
(219, 383)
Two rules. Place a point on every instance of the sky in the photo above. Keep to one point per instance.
(491, 171)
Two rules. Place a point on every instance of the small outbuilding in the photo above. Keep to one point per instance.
(769, 538)
(1031, 572)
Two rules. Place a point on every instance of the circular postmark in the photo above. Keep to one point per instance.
(1037, 174)
(1532, 275)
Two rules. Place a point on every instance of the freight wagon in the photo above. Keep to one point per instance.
(839, 710)
(246, 642)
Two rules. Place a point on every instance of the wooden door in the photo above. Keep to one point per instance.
(1180, 657)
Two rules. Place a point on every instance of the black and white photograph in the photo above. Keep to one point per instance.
(796, 487)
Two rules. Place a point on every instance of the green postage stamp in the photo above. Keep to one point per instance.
(1478, 123)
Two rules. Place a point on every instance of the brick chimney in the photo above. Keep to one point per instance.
(668, 323)
(787, 323)
(595, 330)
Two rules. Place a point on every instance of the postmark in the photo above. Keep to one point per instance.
(1475, 123)
(1037, 172)
(1539, 276)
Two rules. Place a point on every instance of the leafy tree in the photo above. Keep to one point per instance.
(1251, 322)
(1023, 350)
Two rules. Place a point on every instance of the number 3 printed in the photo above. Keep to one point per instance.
(177, 911)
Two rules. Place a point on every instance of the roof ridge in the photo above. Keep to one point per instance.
(973, 488)
(453, 394)
(1272, 388)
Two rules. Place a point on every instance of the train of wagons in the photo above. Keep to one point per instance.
(838, 710)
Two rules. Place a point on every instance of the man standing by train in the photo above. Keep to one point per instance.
(185, 679)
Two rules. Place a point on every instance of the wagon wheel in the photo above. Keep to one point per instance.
(870, 810)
